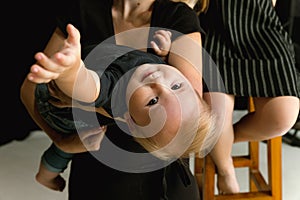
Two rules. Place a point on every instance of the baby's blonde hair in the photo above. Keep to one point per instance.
(205, 137)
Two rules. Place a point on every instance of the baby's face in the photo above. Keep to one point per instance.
(160, 98)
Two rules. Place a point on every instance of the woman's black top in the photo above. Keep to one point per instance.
(91, 179)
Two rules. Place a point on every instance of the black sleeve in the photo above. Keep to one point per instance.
(176, 16)
(91, 17)
(69, 14)
(115, 67)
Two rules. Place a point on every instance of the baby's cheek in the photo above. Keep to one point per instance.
(158, 118)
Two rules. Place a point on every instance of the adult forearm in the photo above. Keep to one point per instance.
(27, 98)
(186, 56)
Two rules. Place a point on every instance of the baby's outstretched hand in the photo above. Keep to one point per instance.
(65, 62)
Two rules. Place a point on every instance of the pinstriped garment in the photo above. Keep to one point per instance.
(253, 52)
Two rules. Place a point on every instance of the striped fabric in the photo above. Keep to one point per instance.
(252, 51)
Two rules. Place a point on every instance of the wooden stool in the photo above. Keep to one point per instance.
(259, 188)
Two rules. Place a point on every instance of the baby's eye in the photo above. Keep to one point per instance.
(153, 101)
(176, 86)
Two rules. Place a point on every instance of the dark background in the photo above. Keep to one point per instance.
(26, 29)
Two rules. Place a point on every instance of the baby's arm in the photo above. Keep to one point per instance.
(163, 44)
(67, 69)
(73, 143)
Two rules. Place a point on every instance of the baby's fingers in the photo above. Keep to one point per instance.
(73, 35)
(155, 47)
(38, 74)
(50, 64)
(164, 33)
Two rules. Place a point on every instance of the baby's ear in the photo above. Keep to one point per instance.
(129, 122)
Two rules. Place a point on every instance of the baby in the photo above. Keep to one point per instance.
(162, 110)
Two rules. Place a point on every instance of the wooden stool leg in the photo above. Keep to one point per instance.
(205, 175)
(254, 165)
(275, 167)
(199, 167)
(208, 179)
(259, 189)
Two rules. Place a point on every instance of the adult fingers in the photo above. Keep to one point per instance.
(92, 138)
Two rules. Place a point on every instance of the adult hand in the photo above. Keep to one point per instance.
(88, 140)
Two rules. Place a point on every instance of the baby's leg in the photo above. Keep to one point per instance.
(221, 153)
(272, 117)
(52, 180)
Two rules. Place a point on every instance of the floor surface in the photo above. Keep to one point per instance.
(19, 162)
